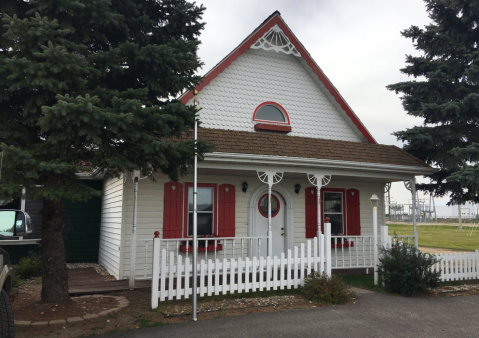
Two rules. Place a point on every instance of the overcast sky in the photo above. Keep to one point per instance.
(357, 44)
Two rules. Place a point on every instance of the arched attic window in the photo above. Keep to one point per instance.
(271, 116)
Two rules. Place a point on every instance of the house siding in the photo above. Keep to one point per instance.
(257, 76)
(111, 221)
(151, 198)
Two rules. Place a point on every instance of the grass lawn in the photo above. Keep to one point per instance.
(440, 236)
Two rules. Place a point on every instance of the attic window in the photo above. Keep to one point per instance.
(274, 117)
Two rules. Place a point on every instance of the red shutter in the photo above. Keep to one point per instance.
(311, 202)
(353, 212)
(173, 210)
(226, 210)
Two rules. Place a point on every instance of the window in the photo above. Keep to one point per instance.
(263, 205)
(206, 204)
(334, 209)
(272, 113)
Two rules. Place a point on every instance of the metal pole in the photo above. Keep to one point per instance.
(195, 218)
(270, 233)
(375, 241)
(414, 231)
(133, 231)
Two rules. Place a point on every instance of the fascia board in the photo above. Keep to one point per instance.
(316, 163)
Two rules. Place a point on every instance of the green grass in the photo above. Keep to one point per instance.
(440, 236)
(361, 281)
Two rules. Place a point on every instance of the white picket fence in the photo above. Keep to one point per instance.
(458, 266)
(172, 275)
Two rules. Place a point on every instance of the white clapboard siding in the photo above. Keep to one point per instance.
(110, 229)
(458, 265)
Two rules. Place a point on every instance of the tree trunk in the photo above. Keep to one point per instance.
(55, 274)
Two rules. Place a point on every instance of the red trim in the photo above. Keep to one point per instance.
(277, 210)
(323, 190)
(272, 127)
(276, 20)
(215, 204)
(271, 103)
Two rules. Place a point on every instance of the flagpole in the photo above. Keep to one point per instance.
(195, 214)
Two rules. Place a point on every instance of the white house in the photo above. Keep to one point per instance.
(272, 113)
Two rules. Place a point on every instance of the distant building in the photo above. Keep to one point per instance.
(468, 210)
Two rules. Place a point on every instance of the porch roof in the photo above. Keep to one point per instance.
(274, 144)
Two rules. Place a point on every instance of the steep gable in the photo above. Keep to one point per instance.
(272, 65)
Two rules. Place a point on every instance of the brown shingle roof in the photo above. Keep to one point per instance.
(266, 143)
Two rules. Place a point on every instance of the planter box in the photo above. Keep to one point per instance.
(344, 244)
(211, 247)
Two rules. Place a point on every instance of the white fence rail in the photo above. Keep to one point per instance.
(172, 274)
(458, 266)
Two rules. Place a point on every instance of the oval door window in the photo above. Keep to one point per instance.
(263, 205)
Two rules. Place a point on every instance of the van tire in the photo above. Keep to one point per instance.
(7, 326)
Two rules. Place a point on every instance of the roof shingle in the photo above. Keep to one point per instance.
(274, 144)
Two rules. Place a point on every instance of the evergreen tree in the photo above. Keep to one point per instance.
(445, 93)
(91, 85)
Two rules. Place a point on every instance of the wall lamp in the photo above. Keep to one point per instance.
(245, 187)
(297, 188)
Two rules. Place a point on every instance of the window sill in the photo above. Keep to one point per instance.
(272, 127)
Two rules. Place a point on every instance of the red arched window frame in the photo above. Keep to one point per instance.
(270, 103)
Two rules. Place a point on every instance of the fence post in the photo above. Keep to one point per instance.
(477, 264)
(327, 245)
(155, 278)
(384, 235)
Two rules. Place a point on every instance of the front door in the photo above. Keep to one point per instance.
(278, 209)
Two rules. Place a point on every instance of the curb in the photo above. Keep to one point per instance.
(122, 303)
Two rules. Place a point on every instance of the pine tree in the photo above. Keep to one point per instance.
(445, 93)
(91, 85)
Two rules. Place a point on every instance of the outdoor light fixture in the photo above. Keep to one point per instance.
(374, 201)
(245, 187)
(297, 188)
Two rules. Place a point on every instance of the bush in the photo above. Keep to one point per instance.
(404, 269)
(29, 266)
(322, 289)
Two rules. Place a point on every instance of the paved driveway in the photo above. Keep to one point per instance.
(375, 315)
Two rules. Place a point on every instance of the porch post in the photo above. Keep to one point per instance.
(374, 202)
(414, 231)
(270, 178)
(136, 177)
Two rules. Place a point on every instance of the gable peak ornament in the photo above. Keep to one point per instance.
(276, 40)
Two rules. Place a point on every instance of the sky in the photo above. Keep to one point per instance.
(357, 44)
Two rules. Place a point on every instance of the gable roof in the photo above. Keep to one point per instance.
(275, 19)
(274, 144)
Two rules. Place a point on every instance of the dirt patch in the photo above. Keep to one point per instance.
(140, 315)
(26, 305)
(438, 250)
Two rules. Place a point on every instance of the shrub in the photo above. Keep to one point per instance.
(321, 288)
(29, 266)
(404, 269)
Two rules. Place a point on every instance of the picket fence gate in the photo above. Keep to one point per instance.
(457, 266)
(172, 275)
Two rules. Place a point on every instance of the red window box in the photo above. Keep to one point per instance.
(342, 244)
(211, 246)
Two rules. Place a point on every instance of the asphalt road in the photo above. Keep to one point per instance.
(375, 315)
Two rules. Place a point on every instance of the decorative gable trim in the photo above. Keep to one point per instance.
(275, 19)
(276, 40)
